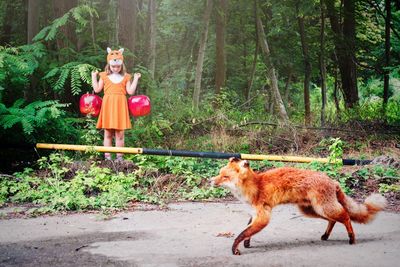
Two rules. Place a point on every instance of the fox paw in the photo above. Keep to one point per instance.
(246, 243)
(236, 252)
(324, 237)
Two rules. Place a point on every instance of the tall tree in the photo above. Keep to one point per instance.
(127, 27)
(152, 37)
(344, 40)
(307, 66)
(322, 66)
(388, 19)
(61, 7)
(201, 54)
(33, 19)
(283, 117)
(220, 71)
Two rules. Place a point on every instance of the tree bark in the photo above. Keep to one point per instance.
(345, 48)
(152, 38)
(127, 27)
(60, 8)
(322, 66)
(33, 19)
(220, 72)
(387, 53)
(253, 70)
(283, 117)
(307, 68)
(200, 56)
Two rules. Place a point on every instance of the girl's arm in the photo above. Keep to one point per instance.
(97, 85)
(131, 87)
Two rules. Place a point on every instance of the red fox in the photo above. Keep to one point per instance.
(315, 194)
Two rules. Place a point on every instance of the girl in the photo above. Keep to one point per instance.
(114, 114)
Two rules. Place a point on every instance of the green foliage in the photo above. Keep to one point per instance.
(17, 64)
(81, 15)
(31, 117)
(53, 188)
(76, 71)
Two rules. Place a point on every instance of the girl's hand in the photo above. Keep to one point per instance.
(94, 74)
(137, 75)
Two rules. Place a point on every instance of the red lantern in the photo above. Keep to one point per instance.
(139, 105)
(90, 104)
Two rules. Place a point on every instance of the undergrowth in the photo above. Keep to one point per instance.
(62, 184)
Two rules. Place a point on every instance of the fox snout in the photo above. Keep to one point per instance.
(215, 181)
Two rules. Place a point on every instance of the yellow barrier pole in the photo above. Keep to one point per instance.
(127, 150)
(284, 158)
(181, 153)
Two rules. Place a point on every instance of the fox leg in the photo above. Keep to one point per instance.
(257, 224)
(328, 230)
(309, 211)
(246, 242)
(333, 213)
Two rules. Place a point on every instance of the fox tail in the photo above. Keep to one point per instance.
(361, 213)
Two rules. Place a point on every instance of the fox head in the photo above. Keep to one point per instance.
(115, 57)
(233, 174)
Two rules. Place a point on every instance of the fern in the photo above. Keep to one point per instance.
(18, 63)
(32, 116)
(80, 14)
(79, 74)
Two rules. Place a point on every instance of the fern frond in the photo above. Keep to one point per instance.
(84, 71)
(51, 73)
(76, 83)
(9, 120)
(57, 23)
(18, 103)
(27, 126)
(59, 85)
(3, 108)
(42, 34)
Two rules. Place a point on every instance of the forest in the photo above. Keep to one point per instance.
(272, 77)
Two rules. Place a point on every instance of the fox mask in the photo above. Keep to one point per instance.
(115, 57)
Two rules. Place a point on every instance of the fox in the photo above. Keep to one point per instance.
(315, 193)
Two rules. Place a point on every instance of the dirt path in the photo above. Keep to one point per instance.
(187, 234)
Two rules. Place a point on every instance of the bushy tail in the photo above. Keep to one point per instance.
(361, 213)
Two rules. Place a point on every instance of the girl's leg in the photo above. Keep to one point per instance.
(119, 141)
(108, 135)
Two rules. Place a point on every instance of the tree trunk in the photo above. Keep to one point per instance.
(287, 86)
(387, 53)
(220, 72)
(254, 65)
(345, 48)
(33, 29)
(336, 88)
(60, 8)
(283, 117)
(112, 19)
(253, 70)
(33, 19)
(200, 56)
(307, 68)
(152, 38)
(322, 66)
(127, 27)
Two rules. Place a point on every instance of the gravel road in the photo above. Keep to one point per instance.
(194, 234)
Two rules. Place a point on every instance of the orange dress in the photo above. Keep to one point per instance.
(114, 113)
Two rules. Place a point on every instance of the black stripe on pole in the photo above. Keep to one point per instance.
(356, 162)
(185, 153)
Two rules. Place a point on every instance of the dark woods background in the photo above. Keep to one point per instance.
(221, 74)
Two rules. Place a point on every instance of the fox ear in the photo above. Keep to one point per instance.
(121, 50)
(233, 159)
(108, 50)
(244, 164)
